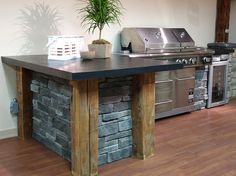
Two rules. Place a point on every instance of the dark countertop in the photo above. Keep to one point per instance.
(77, 69)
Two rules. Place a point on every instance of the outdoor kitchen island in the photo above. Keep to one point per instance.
(83, 78)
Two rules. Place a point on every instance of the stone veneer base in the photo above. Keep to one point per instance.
(51, 116)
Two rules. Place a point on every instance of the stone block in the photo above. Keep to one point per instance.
(111, 116)
(66, 154)
(54, 103)
(199, 93)
(100, 120)
(105, 108)
(118, 135)
(53, 146)
(36, 126)
(42, 107)
(66, 90)
(60, 99)
(126, 98)
(126, 141)
(40, 114)
(125, 113)
(59, 113)
(37, 136)
(37, 96)
(115, 115)
(119, 154)
(35, 103)
(34, 88)
(108, 129)
(125, 125)
(52, 85)
(109, 100)
(35, 82)
(50, 137)
(101, 142)
(36, 120)
(44, 92)
(62, 139)
(125, 118)
(65, 111)
(46, 101)
(108, 149)
(109, 143)
(121, 106)
(52, 112)
(102, 159)
(41, 78)
(61, 125)
(201, 74)
(199, 105)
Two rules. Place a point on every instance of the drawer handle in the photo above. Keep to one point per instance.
(165, 81)
(183, 79)
(169, 101)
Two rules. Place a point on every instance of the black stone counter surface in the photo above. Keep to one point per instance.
(78, 69)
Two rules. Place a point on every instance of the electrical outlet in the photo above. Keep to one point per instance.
(14, 107)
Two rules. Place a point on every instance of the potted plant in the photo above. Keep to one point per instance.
(96, 14)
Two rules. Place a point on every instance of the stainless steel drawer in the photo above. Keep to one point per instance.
(164, 75)
(163, 106)
(185, 73)
(164, 90)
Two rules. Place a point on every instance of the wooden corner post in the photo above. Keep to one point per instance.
(24, 97)
(143, 115)
(84, 125)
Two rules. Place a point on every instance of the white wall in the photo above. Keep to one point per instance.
(232, 22)
(198, 17)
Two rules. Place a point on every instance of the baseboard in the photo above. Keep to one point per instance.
(8, 133)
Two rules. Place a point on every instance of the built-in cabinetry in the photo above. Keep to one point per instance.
(174, 92)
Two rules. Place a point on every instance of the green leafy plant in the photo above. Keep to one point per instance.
(98, 13)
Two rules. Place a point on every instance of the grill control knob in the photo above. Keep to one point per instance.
(179, 61)
(193, 60)
(206, 59)
(184, 61)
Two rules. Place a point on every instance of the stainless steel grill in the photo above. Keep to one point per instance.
(174, 89)
(164, 43)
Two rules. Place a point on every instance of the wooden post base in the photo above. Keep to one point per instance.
(84, 125)
(143, 115)
(24, 97)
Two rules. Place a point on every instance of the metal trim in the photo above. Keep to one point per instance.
(210, 82)
(183, 79)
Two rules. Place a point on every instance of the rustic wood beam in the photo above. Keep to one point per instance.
(24, 97)
(84, 125)
(222, 20)
(143, 115)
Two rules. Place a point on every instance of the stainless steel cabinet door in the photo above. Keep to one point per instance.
(184, 93)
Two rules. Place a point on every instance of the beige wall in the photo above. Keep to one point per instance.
(232, 22)
(198, 17)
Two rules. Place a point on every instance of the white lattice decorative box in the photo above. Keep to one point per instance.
(65, 47)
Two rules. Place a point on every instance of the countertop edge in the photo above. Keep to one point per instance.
(38, 68)
(10, 60)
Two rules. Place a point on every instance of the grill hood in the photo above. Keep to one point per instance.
(156, 40)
